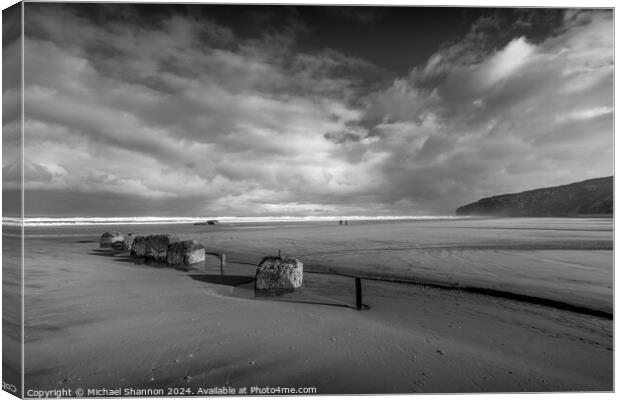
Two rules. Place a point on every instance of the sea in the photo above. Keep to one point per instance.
(87, 221)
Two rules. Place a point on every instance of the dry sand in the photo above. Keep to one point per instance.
(95, 319)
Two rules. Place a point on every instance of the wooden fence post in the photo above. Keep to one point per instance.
(358, 293)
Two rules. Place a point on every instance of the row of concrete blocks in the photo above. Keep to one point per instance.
(272, 273)
(168, 249)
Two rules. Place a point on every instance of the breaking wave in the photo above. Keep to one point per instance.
(76, 221)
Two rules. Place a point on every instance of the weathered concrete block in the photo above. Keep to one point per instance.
(185, 253)
(120, 245)
(157, 247)
(108, 238)
(138, 247)
(279, 273)
(129, 238)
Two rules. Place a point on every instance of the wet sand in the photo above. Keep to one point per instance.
(96, 319)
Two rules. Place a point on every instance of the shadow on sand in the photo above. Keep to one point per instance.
(121, 256)
(108, 252)
(300, 296)
(314, 302)
(243, 284)
(228, 280)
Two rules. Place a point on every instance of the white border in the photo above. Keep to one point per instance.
(458, 3)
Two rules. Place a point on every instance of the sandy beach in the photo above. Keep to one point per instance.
(97, 319)
(440, 179)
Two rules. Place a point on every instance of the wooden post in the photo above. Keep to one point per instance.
(358, 293)
(222, 263)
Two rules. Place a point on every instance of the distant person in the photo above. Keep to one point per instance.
(340, 222)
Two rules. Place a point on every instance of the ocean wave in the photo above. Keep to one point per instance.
(77, 221)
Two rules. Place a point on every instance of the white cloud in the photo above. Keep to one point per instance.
(504, 63)
(170, 115)
(527, 115)
(185, 112)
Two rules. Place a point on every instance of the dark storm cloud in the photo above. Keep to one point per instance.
(367, 15)
(282, 110)
(11, 108)
(511, 114)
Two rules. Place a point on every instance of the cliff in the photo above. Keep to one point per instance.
(591, 197)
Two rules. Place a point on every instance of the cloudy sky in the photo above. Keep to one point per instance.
(237, 110)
